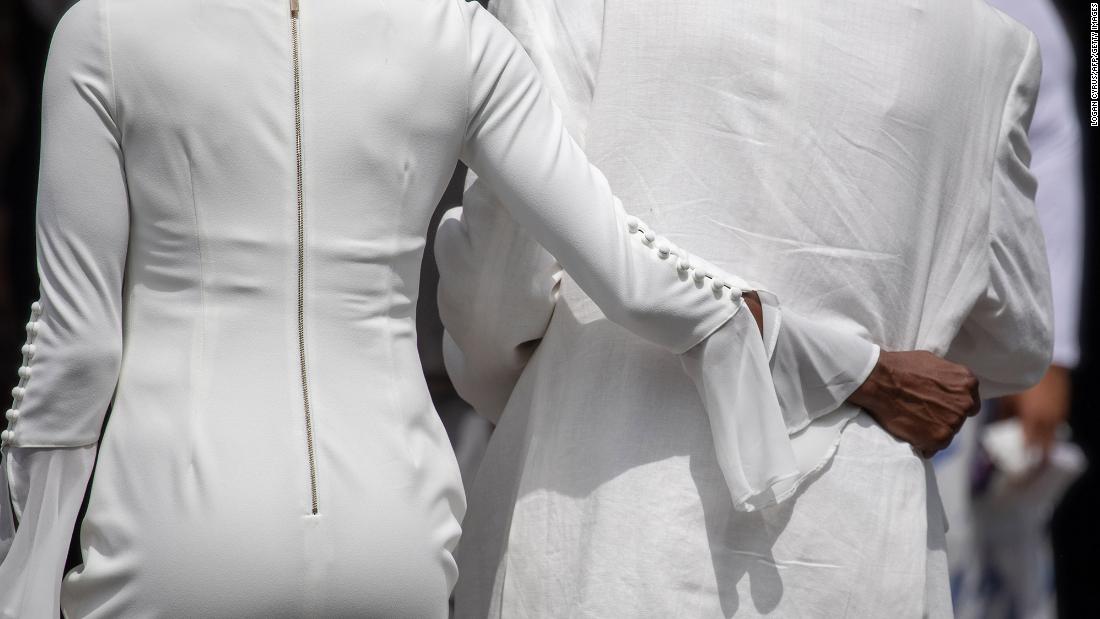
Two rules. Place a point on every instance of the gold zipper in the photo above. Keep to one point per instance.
(302, 252)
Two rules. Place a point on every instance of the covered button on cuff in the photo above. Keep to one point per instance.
(19, 391)
(684, 264)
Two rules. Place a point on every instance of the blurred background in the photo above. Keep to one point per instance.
(1068, 568)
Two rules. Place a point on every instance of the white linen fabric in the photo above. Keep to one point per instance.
(1055, 138)
(985, 545)
(869, 162)
(169, 249)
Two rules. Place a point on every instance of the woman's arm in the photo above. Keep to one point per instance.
(47, 490)
(517, 144)
(501, 293)
(74, 340)
(815, 367)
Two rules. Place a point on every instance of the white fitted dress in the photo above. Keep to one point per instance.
(232, 213)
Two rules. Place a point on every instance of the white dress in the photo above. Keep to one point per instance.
(867, 160)
(232, 213)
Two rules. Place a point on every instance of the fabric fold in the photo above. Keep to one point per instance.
(44, 488)
(751, 440)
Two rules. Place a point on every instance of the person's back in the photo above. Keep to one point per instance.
(232, 213)
(856, 156)
(210, 390)
(842, 151)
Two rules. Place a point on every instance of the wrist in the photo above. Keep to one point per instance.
(873, 389)
(752, 300)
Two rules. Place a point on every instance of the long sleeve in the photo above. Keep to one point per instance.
(47, 489)
(1007, 339)
(1055, 141)
(1055, 138)
(73, 352)
(517, 144)
(518, 147)
(495, 270)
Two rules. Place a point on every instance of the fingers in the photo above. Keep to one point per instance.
(941, 446)
(975, 395)
(957, 424)
(930, 451)
(939, 438)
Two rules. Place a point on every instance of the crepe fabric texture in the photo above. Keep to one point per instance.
(1002, 563)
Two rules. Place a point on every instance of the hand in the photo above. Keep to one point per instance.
(752, 299)
(919, 398)
(1040, 409)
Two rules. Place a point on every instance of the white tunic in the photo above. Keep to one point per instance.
(231, 219)
(985, 545)
(866, 159)
(1055, 137)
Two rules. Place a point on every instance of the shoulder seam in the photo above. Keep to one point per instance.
(105, 12)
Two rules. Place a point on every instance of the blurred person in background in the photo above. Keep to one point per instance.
(999, 511)
(867, 159)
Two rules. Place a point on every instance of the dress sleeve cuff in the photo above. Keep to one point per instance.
(816, 365)
(751, 440)
(46, 488)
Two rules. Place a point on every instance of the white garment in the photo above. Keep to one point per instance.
(985, 545)
(1055, 137)
(869, 161)
(191, 264)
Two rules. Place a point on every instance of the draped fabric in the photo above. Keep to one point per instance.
(868, 162)
(231, 219)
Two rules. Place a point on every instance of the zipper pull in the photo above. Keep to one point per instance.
(294, 8)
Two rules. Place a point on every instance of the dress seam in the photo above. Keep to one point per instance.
(197, 368)
(469, 71)
(391, 393)
(107, 38)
